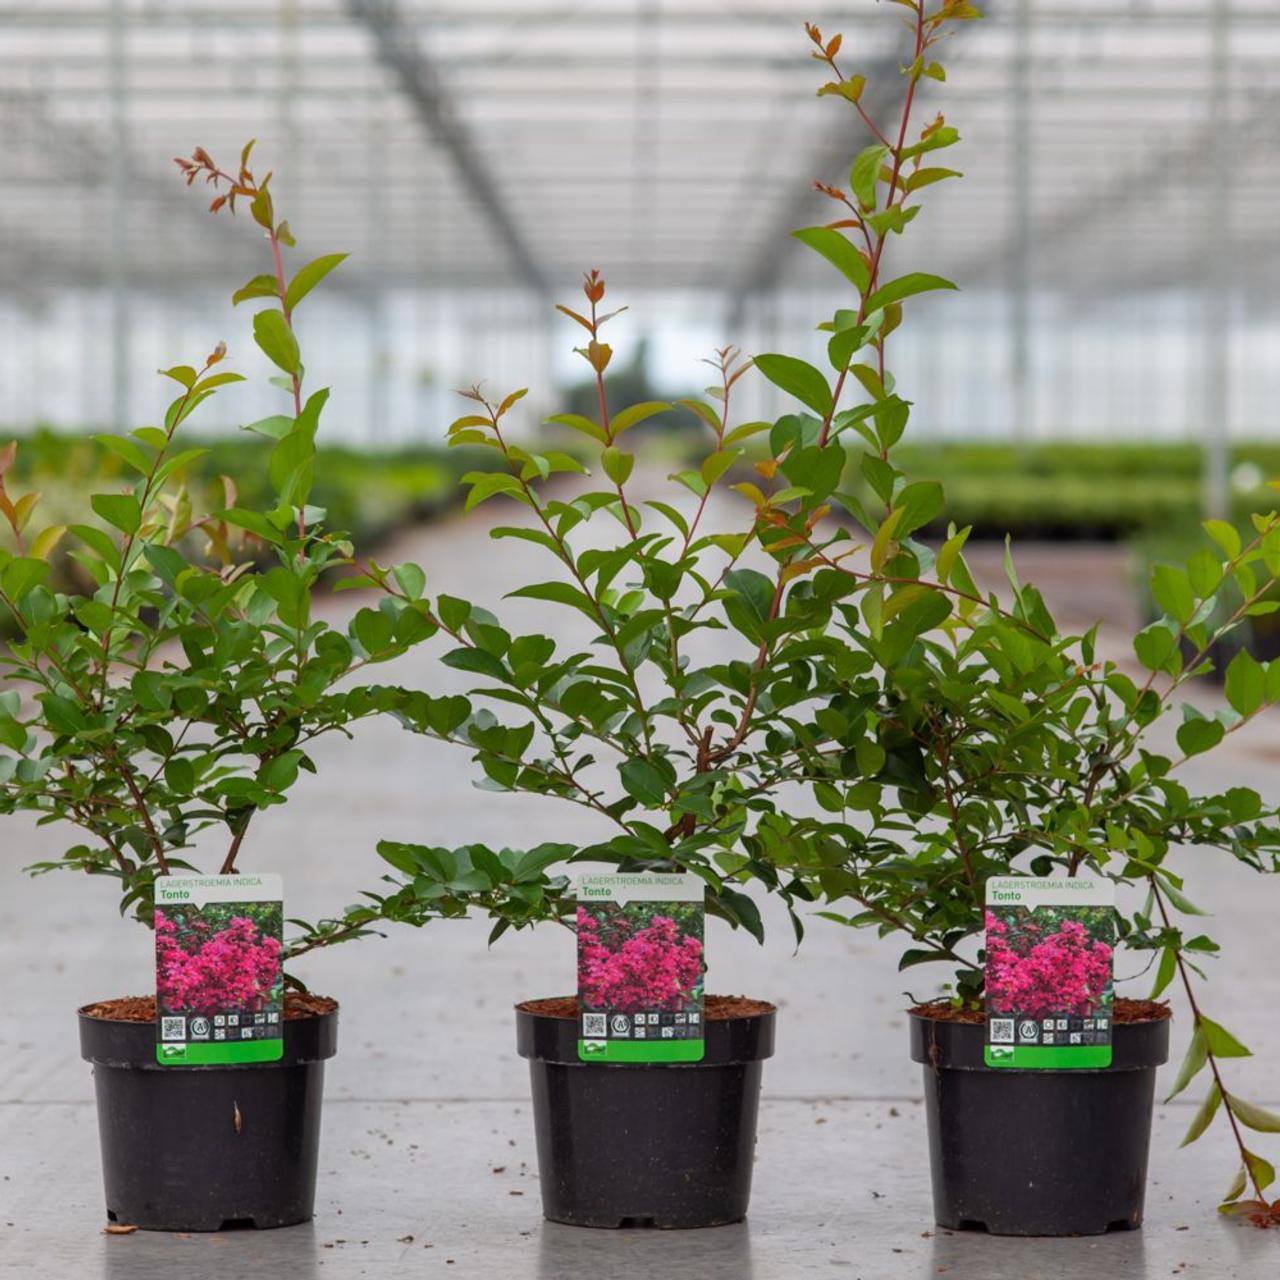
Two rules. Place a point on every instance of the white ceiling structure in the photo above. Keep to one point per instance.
(1113, 149)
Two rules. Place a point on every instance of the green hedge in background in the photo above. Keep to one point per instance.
(1085, 490)
(368, 494)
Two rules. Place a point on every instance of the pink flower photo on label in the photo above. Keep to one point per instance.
(205, 967)
(1053, 966)
(653, 962)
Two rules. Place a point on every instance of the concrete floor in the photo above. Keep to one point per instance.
(427, 1097)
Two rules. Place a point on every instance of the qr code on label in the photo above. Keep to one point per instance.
(595, 1024)
(1001, 1030)
(173, 1028)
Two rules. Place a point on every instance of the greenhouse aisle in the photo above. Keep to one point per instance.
(428, 1162)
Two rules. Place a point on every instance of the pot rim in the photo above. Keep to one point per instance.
(942, 1045)
(544, 1037)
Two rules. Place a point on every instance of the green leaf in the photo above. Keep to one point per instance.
(254, 522)
(1222, 1044)
(1172, 591)
(484, 484)
(1246, 683)
(864, 174)
(558, 593)
(576, 422)
(1166, 973)
(1225, 535)
(21, 575)
(950, 553)
(716, 464)
(1192, 1064)
(798, 379)
(1262, 1171)
(411, 579)
(939, 138)
(926, 177)
(617, 465)
(1256, 1117)
(1195, 736)
(262, 286)
(839, 251)
(282, 772)
(748, 608)
(1180, 900)
(645, 782)
(634, 414)
(921, 503)
(276, 427)
(374, 630)
(905, 287)
(61, 714)
(180, 775)
(272, 333)
(1238, 1184)
(745, 432)
(1155, 645)
(310, 276)
(118, 509)
(1204, 1116)
(152, 690)
(128, 451)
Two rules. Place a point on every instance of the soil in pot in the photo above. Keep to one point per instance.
(204, 1148)
(1038, 1153)
(668, 1144)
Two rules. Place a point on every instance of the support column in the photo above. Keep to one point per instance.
(1022, 397)
(1215, 302)
(118, 216)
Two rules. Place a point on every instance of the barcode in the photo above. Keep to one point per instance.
(594, 1025)
(173, 1028)
(1001, 1030)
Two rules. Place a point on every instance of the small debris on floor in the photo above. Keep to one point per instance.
(119, 1229)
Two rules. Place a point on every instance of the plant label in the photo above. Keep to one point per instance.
(219, 969)
(1050, 944)
(640, 967)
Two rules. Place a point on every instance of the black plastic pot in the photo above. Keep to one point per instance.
(667, 1144)
(205, 1148)
(1038, 1153)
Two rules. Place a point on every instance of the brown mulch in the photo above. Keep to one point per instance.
(715, 1008)
(143, 1008)
(1122, 1011)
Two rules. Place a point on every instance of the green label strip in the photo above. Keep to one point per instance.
(208, 1054)
(1062, 1057)
(641, 1050)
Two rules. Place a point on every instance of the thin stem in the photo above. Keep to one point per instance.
(1210, 1056)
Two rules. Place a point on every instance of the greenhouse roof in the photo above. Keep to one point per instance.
(1109, 145)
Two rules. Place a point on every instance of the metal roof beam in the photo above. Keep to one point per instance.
(398, 49)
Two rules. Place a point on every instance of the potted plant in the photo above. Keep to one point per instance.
(164, 706)
(969, 740)
(704, 695)
(664, 740)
